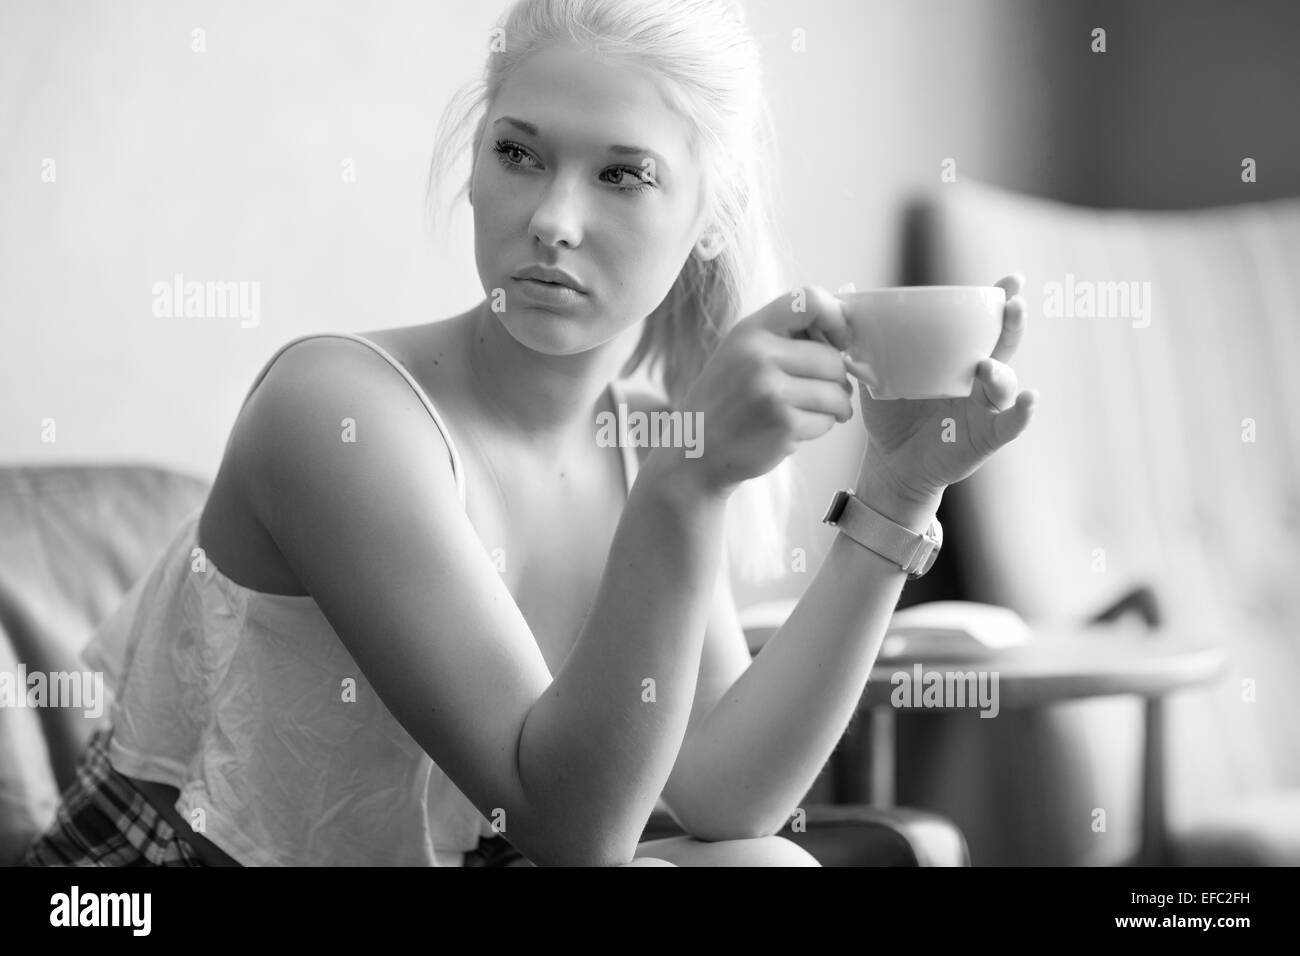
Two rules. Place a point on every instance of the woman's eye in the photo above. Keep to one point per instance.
(506, 151)
(504, 148)
(635, 174)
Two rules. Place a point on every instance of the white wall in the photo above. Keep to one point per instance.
(225, 165)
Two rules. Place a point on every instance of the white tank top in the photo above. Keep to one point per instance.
(234, 697)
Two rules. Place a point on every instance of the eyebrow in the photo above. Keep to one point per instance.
(619, 150)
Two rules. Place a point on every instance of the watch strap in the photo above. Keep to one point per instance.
(912, 552)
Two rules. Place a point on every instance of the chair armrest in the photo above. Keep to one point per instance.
(858, 835)
(1141, 601)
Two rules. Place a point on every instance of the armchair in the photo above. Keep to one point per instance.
(1159, 479)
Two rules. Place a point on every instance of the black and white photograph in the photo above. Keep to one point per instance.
(677, 433)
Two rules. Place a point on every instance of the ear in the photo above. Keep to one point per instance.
(708, 246)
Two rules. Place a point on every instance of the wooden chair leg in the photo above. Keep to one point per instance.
(1153, 851)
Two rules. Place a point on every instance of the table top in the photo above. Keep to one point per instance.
(1059, 664)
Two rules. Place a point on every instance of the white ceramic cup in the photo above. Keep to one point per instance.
(923, 341)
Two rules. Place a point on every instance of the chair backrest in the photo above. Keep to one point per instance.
(73, 539)
(1165, 450)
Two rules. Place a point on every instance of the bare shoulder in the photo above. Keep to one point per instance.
(324, 392)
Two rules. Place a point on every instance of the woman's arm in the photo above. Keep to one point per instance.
(760, 749)
(373, 528)
(375, 531)
(612, 722)
(747, 764)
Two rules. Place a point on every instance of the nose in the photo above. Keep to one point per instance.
(557, 218)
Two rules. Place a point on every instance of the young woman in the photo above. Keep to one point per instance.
(426, 617)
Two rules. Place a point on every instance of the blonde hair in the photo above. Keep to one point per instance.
(710, 69)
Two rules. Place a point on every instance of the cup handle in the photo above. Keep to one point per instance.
(869, 379)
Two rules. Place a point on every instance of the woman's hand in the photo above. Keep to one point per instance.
(906, 437)
(775, 380)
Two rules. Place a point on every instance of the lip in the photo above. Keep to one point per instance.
(546, 293)
(551, 275)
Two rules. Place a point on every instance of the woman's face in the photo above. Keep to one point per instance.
(551, 187)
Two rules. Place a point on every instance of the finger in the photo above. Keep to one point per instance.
(831, 321)
(817, 395)
(810, 360)
(857, 369)
(810, 425)
(1014, 323)
(1010, 424)
(866, 379)
(1011, 284)
(811, 310)
(997, 384)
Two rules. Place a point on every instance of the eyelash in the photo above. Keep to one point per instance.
(504, 146)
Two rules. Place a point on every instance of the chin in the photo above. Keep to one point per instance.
(550, 333)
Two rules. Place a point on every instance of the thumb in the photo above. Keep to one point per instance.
(809, 312)
(1009, 424)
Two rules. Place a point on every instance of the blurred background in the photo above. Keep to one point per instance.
(129, 157)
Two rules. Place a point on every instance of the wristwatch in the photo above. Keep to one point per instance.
(912, 552)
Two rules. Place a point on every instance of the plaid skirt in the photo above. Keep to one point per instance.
(103, 820)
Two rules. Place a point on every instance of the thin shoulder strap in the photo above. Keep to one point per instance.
(630, 461)
(457, 469)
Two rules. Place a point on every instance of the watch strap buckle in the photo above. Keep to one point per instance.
(836, 507)
(923, 557)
